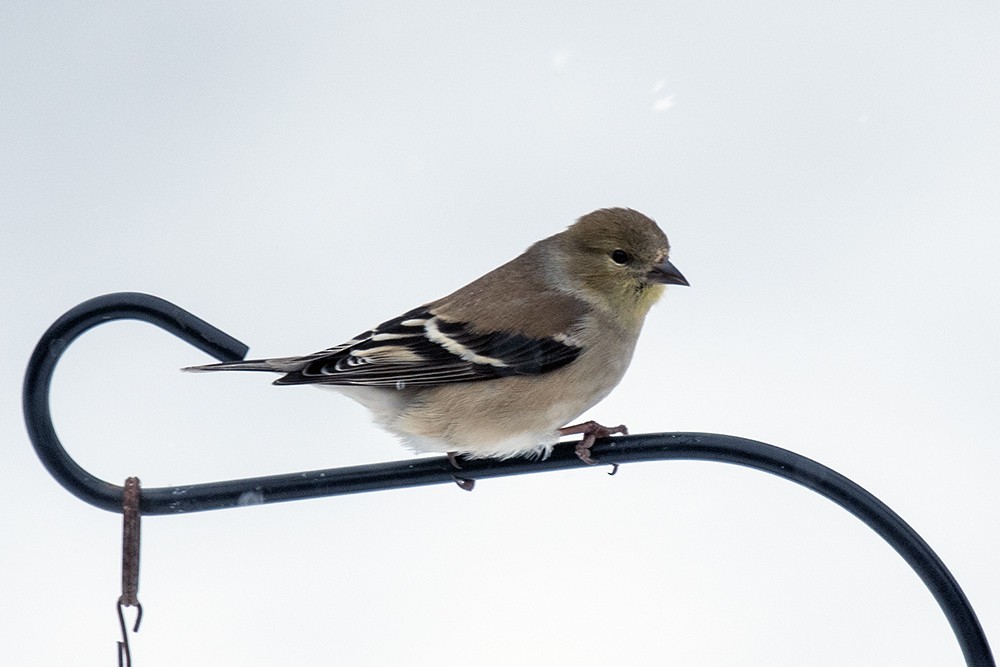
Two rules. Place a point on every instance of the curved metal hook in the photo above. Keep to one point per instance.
(426, 471)
(90, 313)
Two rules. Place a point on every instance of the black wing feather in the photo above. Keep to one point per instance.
(399, 353)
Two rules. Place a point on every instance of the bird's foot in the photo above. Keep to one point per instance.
(463, 483)
(591, 431)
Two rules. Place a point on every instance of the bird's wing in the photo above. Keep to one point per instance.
(420, 348)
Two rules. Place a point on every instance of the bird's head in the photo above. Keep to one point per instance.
(619, 258)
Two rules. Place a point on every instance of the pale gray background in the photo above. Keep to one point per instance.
(828, 175)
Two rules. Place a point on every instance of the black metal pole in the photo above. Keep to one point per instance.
(426, 471)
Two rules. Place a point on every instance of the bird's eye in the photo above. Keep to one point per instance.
(619, 256)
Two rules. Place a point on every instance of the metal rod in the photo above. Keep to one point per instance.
(426, 471)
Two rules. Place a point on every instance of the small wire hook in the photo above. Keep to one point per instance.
(124, 653)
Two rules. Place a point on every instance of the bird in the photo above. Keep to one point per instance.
(498, 368)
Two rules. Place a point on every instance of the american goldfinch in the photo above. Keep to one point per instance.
(497, 368)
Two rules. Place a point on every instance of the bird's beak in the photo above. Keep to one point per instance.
(667, 273)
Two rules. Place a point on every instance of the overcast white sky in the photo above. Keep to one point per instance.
(828, 176)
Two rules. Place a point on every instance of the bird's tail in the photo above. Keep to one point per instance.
(277, 365)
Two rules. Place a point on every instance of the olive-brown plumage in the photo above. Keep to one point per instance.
(495, 368)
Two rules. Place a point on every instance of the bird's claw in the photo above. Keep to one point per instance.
(582, 450)
(464, 483)
(591, 431)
